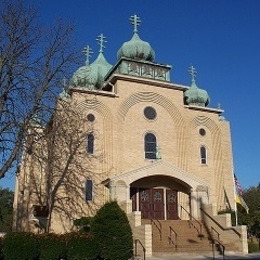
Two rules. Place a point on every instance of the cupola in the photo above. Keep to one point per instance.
(194, 95)
(136, 48)
(91, 76)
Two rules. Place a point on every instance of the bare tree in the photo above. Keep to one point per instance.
(56, 168)
(33, 62)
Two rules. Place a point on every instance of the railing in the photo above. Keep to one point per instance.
(158, 225)
(137, 241)
(214, 242)
(171, 241)
(192, 224)
(219, 225)
(215, 231)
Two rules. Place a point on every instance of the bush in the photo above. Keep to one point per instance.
(113, 233)
(20, 246)
(84, 224)
(52, 246)
(81, 246)
(253, 247)
(1, 249)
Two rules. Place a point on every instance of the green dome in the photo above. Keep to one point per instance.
(99, 69)
(196, 96)
(136, 49)
(91, 76)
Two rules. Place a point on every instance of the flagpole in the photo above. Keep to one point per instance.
(235, 195)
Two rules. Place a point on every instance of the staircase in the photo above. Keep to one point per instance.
(177, 236)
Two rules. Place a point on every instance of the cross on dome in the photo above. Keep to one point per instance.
(64, 82)
(87, 51)
(101, 41)
(192, 72)
(136, 21)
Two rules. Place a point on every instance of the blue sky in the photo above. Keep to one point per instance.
(221, 38)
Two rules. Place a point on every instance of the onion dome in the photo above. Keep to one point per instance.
(91, 76)
(194, 95)
(136, 48)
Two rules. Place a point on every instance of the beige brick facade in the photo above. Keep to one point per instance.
(178, 181)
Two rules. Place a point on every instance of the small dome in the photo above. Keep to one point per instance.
(99, 69)
(79, 78)
(136, 48)
(91, 76)
(194, 95)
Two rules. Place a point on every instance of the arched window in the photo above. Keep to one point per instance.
(150, 146)
(90, 143)
(203, 155)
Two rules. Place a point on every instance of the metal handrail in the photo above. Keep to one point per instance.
(214, 242)
(136, 243)
(159, 228)
(213, 229)
(175, 237)
(192, 218)
(219, 225)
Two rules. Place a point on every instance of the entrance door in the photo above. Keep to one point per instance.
(145, 203)
(171, 204)
(151, 203)
(158, 204)
(133, 193)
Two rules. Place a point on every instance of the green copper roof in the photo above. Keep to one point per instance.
(194, 95)
(136, 48)
(91, 76)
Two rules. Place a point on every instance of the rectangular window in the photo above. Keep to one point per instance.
(88, 190)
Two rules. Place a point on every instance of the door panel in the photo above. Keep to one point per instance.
(158, 204)
(171, 204)
(144, 202)
(133, 195)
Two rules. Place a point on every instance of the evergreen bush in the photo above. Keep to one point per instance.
(84, 224)
(52, 246)
(253, 247)
(113, 233)
(20, 246)
(1, 249)
(81, 246)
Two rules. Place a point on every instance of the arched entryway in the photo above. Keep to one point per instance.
(157, 196)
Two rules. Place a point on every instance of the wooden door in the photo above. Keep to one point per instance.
(157, 204)
(145, 203)
(171, 204)
(133, 195)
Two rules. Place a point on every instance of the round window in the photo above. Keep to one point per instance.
(202, 132)
(90, 117)
(150, 113)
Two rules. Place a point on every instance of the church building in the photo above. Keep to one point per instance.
(155, 146)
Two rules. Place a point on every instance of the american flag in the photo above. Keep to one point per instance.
(239, 193)
(239, 189)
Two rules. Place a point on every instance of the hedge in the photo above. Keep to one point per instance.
(20, 246)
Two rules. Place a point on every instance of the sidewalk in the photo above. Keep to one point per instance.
(205, 257)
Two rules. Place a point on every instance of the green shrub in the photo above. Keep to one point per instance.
(1, 249)
(113, 233)
(81, 246)
(52, 247)
(84, 224)
(253, 247)
(20, 246)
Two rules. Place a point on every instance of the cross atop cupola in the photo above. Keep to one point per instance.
(192, 72)
(135, 21)
(87, 51)
(101, 39)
